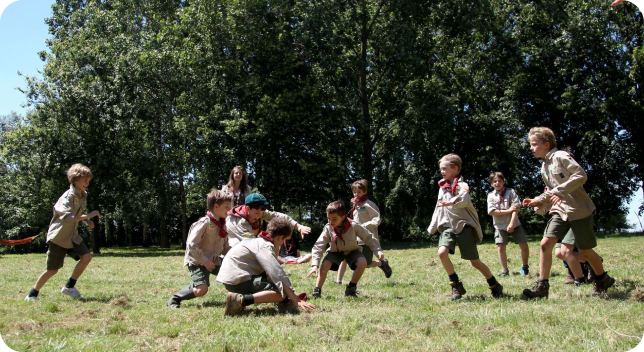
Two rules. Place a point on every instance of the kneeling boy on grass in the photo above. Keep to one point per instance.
(251, 273)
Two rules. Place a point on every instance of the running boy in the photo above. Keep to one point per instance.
(366, 213)
(572, 213)
(458, 222)
(503, 204)
(341, 234)
(251, 273)
(63, 237)
(206, 241)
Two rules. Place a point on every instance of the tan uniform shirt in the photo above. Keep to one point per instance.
(62, 228)
(204, 243)
(240, 229)
(565, 178)
(250, 258)
(367, 214)
(510, 198)
(349, 244)
(456, 216)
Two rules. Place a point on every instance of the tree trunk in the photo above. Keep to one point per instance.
(146, 242)
(364, 100)
(184, 217)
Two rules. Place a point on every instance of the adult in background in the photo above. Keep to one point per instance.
(237, 186)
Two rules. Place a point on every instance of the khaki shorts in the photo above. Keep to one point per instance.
(200, 275)
(466, 241)
(518, 236)
(256, 284)
(337, 257)
(573, 232)
(56, 254)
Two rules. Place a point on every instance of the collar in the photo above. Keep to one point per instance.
(550, 154)
(76, 193)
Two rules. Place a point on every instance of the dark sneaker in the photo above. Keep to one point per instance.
(504, 272)
(540, 289)
(385, 268)
(350, 292)
(601, 286)
(233, 304)
(457, 290)
(571, 278)
(317, 293)
(525, 270)
(497, 290)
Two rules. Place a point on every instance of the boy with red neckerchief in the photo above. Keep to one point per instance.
(207, 239)
(366, 213)
(458, 222)
(251, 274)
(341, 234)
(245, 221)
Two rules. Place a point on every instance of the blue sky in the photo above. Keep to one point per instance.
(22, 35)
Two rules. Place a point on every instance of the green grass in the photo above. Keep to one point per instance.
(126, 290)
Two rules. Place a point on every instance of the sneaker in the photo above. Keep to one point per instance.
(31, 299)
(384, 265)
(317, 293)
(540, 289)
(350, 291)
(497, 290)
(457, 290)
(233, 304)
(339, 282)
(525, 270)
(571, 278)
(71, 292)
(601, 286)
(504, 272)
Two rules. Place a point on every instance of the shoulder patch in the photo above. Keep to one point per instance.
(75, 200)
(465, 187)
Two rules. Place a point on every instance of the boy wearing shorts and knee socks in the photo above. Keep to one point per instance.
(207, 239)
(63, 237)
(341, 234)
(503, 204)
(572, 214)
(458, 223)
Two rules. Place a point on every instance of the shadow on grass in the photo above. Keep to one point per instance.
(623, 290)
(210, 304)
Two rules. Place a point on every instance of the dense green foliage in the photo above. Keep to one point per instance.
(162, 98)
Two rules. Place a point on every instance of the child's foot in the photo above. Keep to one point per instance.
(339, 282)
(31, 299)
(317, 292)
(457, 290)
(580, 281)
(71, 292)
(497, 290)
(504, 272)
(384, 265)
(601, 286)
(233, 304)
(540, 289)
(351, 291)
(525, 270)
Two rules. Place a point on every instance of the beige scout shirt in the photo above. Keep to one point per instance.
(349, 244)
(204, 243)
(565, 178)
(250, 258)
(456, 216)
(62, 228)
(510, 198)
(240, 229)
(367, 214)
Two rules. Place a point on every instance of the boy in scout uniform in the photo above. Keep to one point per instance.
(62, 236)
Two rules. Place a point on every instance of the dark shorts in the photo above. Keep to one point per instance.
(503, 237)
(573, 232)
(256, 284)
(337, 257)
(466, 241)
(56, 254)
(368, 254)
(200, 275)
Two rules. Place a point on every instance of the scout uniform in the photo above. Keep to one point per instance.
(367, 214)
(344, 247)
(503, 200)
(240, 229)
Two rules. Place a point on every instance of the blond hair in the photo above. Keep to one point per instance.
(77, 171)
(453, 160)
(218, 197)
(543, 135)
(361, 185)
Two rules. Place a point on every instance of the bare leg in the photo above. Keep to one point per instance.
(503, 258)
(341, 270)
(374, 263)
(361, 265)
(525, 252)
(573, 259)
(200, 290)
(268, 297)
(81, 265)
(324, 270)
(594, 260)
(43, 278)
(545, 256)
(478, 264)
(443, 254)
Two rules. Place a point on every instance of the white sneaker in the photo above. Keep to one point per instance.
(71, 292)
(31, 299)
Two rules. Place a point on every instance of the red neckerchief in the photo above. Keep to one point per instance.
(242, 212)
(267, 236)
(501, 197)
(355, 202)
(346, 225)
(289, 247)
(451, 186)
(219, 222)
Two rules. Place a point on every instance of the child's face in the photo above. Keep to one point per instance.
(220, 210)
(238, 175)
(255, 214)
(335, 220)
(498, 184)
(357, 192)
(81, 184)
(539, 149)
(448, 171)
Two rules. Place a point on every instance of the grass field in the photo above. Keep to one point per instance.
(126, 290)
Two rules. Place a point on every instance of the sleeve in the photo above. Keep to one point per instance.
(266, 259)
(318, 247)
(368, 238)
(490, 203)
(433, 226)
(577, 177)
(462, 199)
(270, 215)
(374, 214)
(514, 198)
(64, 207)
(197, 231)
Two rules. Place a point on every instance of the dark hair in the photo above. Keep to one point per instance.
(218, 197)
(280, 227)
(244, 181)
(495, 175)
(361, 185)
(337, 208)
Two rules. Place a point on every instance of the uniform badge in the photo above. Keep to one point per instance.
(465, 188)
(211, 226)
(246, 234)
(75, 200)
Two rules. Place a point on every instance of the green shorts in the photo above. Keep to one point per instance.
(368, 254)
(56, 254)
(573, 232)
(256, 284)
(518, 236)
(337, 257)
(466, 241)
(200, 275)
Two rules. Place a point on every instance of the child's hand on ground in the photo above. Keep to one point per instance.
(210, 265)
(305, 305)
(444, 204)
(555, 199)
(314, 270)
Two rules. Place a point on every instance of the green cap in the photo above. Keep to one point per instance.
(256, 199)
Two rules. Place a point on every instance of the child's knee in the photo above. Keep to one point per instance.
(200, 290)
(52, 272)
(361, 263)
(476, 263)
(443, 252)
(86, 258)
